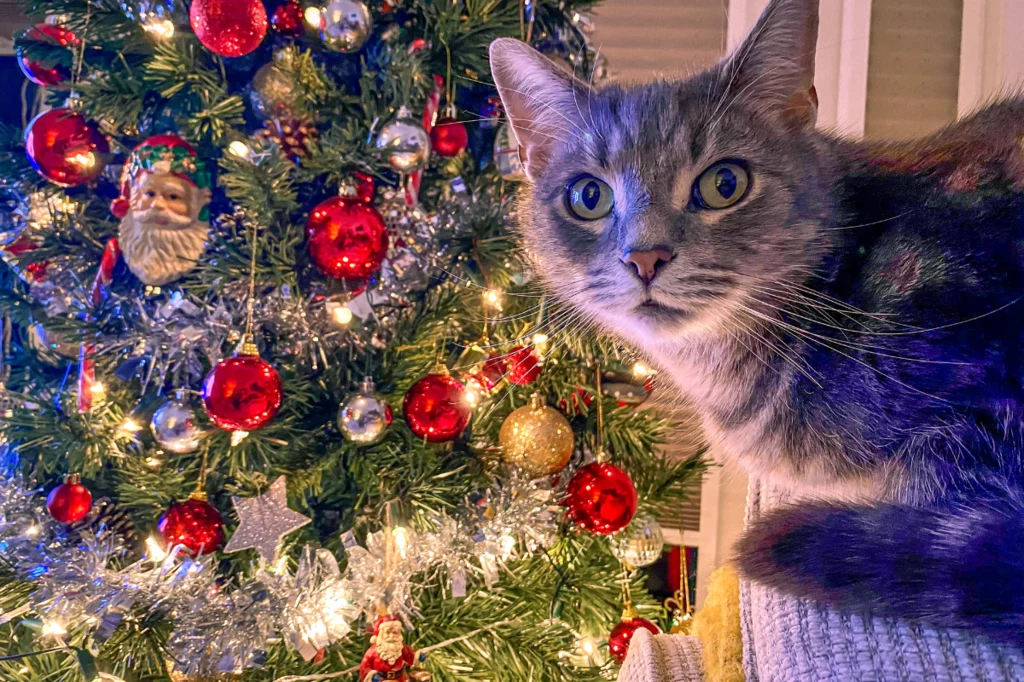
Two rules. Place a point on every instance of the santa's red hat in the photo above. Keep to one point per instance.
(380, 621)
(160, 154)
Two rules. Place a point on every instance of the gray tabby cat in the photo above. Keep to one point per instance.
(842, 316)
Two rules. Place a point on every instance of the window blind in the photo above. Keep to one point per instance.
(913, 67)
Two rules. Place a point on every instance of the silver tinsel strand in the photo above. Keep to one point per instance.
(84, 583)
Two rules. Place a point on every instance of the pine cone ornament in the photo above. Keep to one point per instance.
(291, 135)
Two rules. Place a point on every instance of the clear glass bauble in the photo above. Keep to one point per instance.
(640, 543)
(506, 154)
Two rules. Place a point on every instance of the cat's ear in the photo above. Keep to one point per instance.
(538, 100)
(774, 66)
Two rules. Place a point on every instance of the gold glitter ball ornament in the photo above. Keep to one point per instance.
(537, 438)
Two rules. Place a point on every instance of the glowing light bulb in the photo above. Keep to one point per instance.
(401, 536)
(540, 341)
(492, 297)
(154, 462)
(53, 628)
(237, 437)
(161, 28)
(472, 394)
(240, 149)
(97, 389)
(641, 370)
(343, 315)
(154, 550)
(312, 15)
(32, 531)
(131, 426)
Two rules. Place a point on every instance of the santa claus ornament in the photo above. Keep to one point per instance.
(165, 191)
(388, 656)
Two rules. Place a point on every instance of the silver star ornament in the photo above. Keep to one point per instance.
(263, 521)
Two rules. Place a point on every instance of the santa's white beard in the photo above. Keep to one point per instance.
(389, 651)
(158, 254)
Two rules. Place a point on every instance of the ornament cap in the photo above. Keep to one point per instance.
(367, 385)
(629, 611)
(537, 402)
(248, 346)
(403, 112)
(72, 479)
(199, 495)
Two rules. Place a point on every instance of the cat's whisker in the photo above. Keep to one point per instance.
(826, 343)
(880, 351)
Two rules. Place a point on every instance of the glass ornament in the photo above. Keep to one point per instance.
(640, 543)
(364, 416)
(404, 142)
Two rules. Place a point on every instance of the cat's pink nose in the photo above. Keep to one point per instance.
(647, 263)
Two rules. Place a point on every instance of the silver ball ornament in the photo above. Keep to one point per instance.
(404, 142)
(345, 25)
(174, 427)
(640, 543)
(364, 416)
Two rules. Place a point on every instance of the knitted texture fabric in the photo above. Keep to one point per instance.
(795, 640)
(787, 639)
(662, 658)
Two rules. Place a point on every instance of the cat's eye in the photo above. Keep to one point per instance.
(589, 198)
(721, 185)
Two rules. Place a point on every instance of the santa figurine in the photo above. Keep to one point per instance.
(165, 191)
(388, 655)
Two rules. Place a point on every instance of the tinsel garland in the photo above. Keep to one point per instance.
(86, 579)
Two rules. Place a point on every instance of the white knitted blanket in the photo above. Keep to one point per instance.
(792, 640)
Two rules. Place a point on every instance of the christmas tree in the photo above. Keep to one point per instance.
(274, 373)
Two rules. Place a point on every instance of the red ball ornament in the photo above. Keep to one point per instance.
(448, 137)
(34, 272)
(287, 19)
(64, 148)
(493, 370)
(230, 28)
(36, 71)
(436, 409)
(242, 393)
(524, 365)
(601, 498)
(70, 501)
(347, 239)
(194, 523)
(622, 634)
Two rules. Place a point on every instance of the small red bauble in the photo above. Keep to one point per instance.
(347, 239)
(622, 634)
(242, 393)
(601, 498)
(493, 370)
(34, 271)
(37, 72)
(70, 501)
(523, 365)
(448, 137)
(64, 148)
(287, 20)
(230, 28)
(194, 523)
(435, 408)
